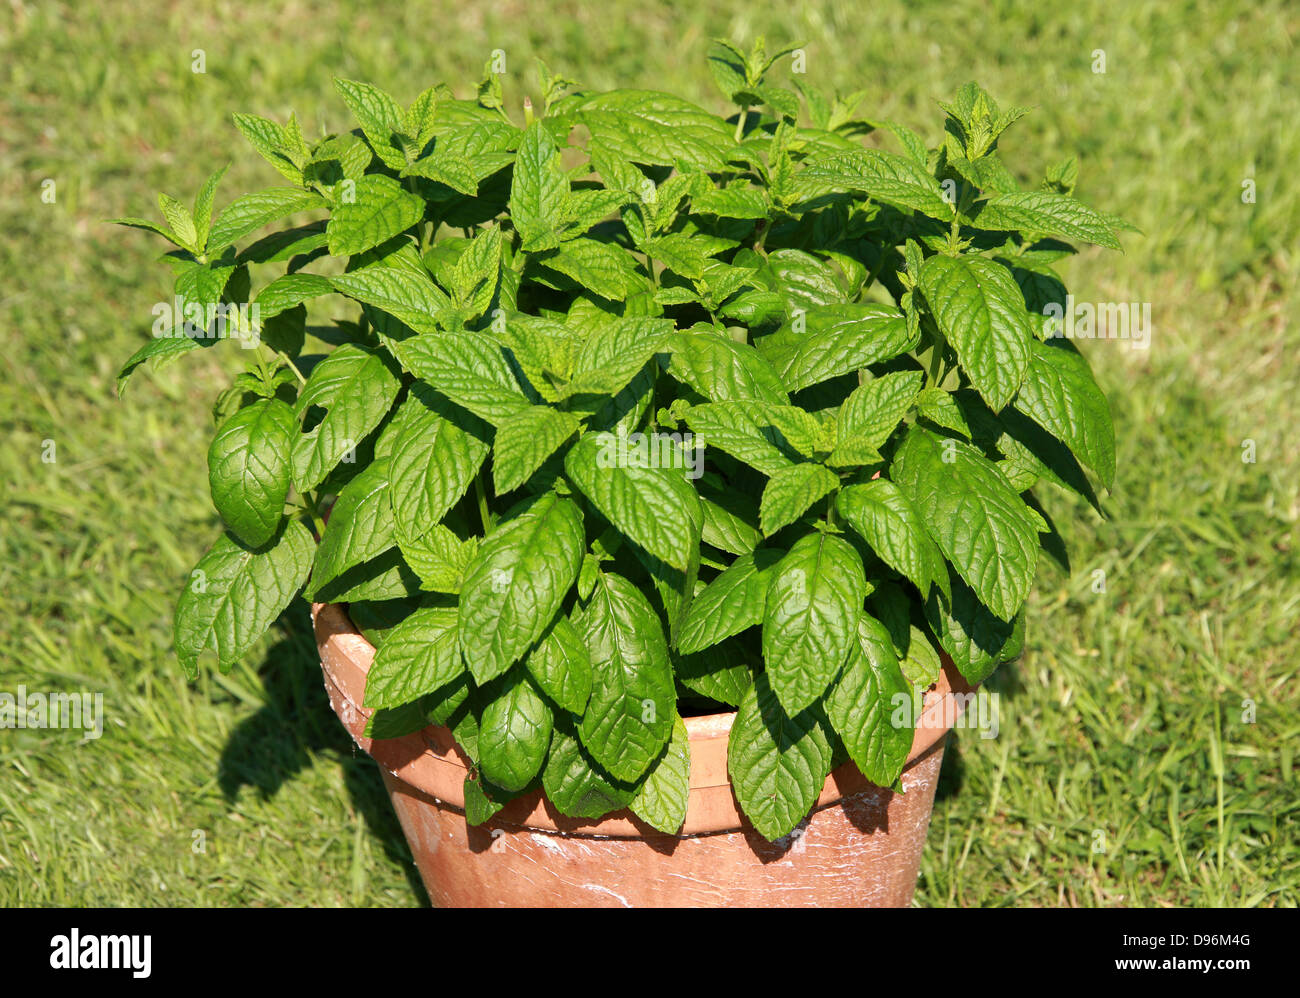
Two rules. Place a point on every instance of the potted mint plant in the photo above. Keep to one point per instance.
(665, 476)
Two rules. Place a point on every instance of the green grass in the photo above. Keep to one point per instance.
(1122, 726)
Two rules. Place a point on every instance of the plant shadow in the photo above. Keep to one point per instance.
(296, 724)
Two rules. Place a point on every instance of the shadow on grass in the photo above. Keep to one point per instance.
(297, 723)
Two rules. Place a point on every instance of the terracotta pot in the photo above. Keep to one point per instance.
(860, 847)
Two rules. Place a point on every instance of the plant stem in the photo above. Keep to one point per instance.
(481, 494)
(740, 122)
(292, 366)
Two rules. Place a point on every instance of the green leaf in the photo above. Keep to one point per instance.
(378, 210)
(268, 138)
(614, 352)
(665, 793)
(839, 339)
(723, 370)
(249, 469)
(514, 731)
(732, 602)
(203, 207)
(360, 526)
(236, 592)
(655, 507)
(479, 807)
(356, 387)
(982, 313)
(380, 117)
(573, 781)
(418, 656)
(736, 429)
(874, 410)
(524, 440)
(982, 526)
(289, 291)
(539, 190)
(1046, 213)
(886, 177)
(561, 665)
(791, 491)
(969, 633)
(813, 601)
(438, 557)
(514, 586)
(408, 296)
(468, 368)
(890, 524)
(940, 408)
(180, 220)
(863, 703)
(722, 673)
(630, 715)
(731, 202)
(252, 211)
(604, 269)
(162, 350)
(727, 530)
(778, 764)
(436, 454)
(1059, 394)
(657, 129)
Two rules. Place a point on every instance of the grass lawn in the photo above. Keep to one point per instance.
(1146, 746)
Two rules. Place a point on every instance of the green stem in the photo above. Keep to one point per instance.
(740, 122)
(292, 366)
(481, 494)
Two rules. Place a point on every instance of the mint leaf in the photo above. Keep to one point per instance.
(630, 715)
(864, 702)
(236, 592)
(874, 410)
(561, 665)
(722, 370)
(732, 602)
(665, 793)
(890, 524)
(435, 456)
(356, 387)
(655, 507)
(418, 656)
(360, 526)
(514, 586)
(468, 368)
(791, 492)
(1059, 394)
(378, 210)
(980, 310)
(980, 523)
(1048, 214)
(839, 339)
(249, 469)
(813, 601)
(514, 731)
(886, 177)
(778, 764)
(539, 190)
(524, 440)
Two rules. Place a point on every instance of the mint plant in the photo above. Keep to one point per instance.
(638, 410)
